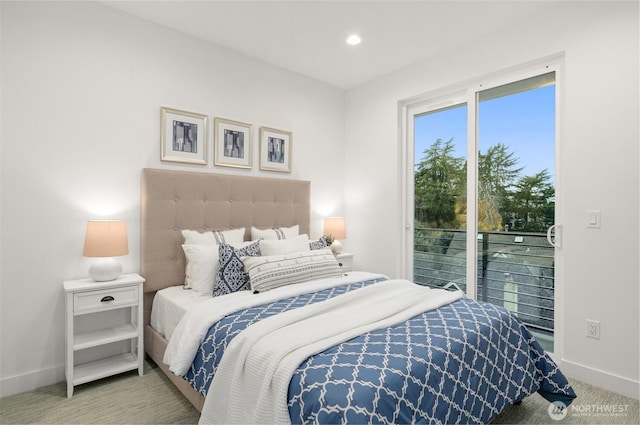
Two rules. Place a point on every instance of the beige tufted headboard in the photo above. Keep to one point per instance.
(175, 200)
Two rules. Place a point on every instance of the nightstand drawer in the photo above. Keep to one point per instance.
(345, 260)
(105, 299)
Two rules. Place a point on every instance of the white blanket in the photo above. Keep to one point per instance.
(195, 324)
(252, 380)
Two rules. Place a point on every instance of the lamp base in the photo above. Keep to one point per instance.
(105, 269)
(336, 247)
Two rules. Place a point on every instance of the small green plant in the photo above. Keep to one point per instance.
(328, 239)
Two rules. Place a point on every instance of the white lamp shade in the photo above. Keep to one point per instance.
(335, 227)
(105, 239)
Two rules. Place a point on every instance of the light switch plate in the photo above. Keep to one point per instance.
(593, 219)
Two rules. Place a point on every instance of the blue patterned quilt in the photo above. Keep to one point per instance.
(462, 363)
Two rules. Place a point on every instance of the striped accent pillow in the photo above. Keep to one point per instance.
(274, 271)
(275, 232)
(213, 237)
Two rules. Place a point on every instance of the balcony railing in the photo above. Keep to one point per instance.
(515, 270)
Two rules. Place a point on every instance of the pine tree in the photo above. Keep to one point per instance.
(439, 181)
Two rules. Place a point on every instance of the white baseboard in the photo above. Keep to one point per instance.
(608, 381)
(31, 381)
(598, 378)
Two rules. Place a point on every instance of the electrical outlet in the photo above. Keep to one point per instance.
(593, 329)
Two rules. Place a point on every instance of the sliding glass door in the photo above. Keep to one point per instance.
(516, 200)
(440, 185)
(483, 196)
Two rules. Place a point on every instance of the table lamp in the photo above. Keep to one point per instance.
(334, 227)
(105, 239)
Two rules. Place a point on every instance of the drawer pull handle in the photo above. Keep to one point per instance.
(107, 298)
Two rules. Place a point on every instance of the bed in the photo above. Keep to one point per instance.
(403, 361)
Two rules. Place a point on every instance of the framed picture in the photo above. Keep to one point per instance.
(275, 150)
(232, 143)
(183, 136)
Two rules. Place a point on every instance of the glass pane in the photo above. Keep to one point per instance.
(440, 181)
(516, 200)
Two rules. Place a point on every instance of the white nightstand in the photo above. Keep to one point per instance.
(84, 298)
(345, 260)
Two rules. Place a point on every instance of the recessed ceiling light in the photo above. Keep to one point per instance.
(354, 39)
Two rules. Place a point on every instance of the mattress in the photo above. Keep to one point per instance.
(170, 304)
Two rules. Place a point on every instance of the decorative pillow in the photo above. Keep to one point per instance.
(275, 233)
(274, 271)
(202, 264)
(284, 246)
(215, 237)
(231, 276)
(319, 244)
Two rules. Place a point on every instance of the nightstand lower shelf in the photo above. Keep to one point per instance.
(106, 336)
(105, 367)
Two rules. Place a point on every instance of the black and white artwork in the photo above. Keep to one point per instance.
(183, 136)
(232, 143)
(275, 150)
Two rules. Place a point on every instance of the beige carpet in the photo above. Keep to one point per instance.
(593, 406)
(123, 399)
(152, 399)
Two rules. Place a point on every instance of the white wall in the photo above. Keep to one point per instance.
(82, 86)
(81, 89)
(599, 162)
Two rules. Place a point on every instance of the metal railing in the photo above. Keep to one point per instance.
(515, 270)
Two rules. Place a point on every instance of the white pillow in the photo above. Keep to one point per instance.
(284, 246)
(275, 233)
(274, 271)
(202, 265)
(193, 237)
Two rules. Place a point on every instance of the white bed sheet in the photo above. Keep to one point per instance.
(170, 304)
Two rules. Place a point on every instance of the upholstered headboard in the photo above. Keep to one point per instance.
(175, 200)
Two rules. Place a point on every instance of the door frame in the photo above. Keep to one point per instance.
(467, 92)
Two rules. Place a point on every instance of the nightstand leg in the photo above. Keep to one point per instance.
(68, 339)
(137, 345)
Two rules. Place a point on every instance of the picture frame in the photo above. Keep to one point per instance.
(232, 143)
(275, 150)
(183, 136)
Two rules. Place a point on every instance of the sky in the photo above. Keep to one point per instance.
(524, 122)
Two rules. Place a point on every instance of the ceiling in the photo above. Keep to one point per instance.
(308, 37)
